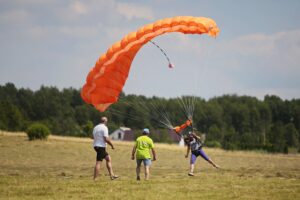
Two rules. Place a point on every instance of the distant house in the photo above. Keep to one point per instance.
(122, 134)
(126, 134)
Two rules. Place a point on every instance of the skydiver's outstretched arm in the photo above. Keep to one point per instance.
(196, 136)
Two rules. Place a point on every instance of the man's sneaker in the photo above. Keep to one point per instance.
(138, 178)
(114, 177)
(191, 174)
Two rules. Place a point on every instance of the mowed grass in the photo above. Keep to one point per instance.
(62, 168)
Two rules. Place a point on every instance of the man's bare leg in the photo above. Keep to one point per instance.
(109, 167)
(147, 172)
(138, 171)
(96, 170)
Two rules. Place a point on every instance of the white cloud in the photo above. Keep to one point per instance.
(255, 64)
(79, 31)
(69, 31)
(79, 8)
(283, 43)
(255, 44)
(71, 12)
(131, 11)
(13, 17)
(277, 53)
(30, 2)
(38, 32)
(263, 64)
(116, 33)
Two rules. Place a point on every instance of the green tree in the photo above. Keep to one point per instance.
(276, 137)
(8, 93)
(82, 114)
(279, 109)
(11, 118)
(231, 139)
(25, 98)
(215, 134)
(291, 135)
(47, 103)
(210, 115)
(136, 117)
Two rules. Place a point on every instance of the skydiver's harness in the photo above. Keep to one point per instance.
(195, 145)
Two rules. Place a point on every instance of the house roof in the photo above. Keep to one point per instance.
(125, 128)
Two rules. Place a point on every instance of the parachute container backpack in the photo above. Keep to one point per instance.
(106, 79)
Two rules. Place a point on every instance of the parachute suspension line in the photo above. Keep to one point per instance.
(119, 113)
(188, 106)
(165, 121)
(164, 53)
(183, 106)
(193, 100)
(161, 112)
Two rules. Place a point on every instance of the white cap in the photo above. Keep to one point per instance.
(146, 130)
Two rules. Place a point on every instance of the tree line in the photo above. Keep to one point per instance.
(229, 121)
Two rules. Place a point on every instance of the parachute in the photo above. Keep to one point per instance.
(179, 129)
(106, 79)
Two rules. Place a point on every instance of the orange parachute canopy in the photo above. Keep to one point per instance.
(106, 79)
(180, 128)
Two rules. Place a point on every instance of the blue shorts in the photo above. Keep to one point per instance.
(197, 153)
(147, 162)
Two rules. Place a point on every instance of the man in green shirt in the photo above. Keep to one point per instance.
(142, 148)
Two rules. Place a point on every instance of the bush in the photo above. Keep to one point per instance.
(38, 131)
(230, 146)
(88, 129)
(214, 144)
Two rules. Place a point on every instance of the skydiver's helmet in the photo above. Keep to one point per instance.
(188, 137)
(190, 134)
(186, 140)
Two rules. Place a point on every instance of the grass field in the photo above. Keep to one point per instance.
(62, 168)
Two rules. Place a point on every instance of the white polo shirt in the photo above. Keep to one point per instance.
(100, 131)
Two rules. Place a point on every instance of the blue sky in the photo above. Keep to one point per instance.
(57, 42)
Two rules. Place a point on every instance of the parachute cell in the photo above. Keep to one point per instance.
(106, 79)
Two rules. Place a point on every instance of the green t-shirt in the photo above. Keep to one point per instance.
(143, 146)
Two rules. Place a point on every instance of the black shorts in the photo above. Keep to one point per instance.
(101, 153)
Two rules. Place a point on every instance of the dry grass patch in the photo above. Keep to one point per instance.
(62, 168)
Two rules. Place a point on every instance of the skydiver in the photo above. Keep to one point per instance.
(194, 145)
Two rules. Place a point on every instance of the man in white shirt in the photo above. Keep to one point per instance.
(101, 137)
